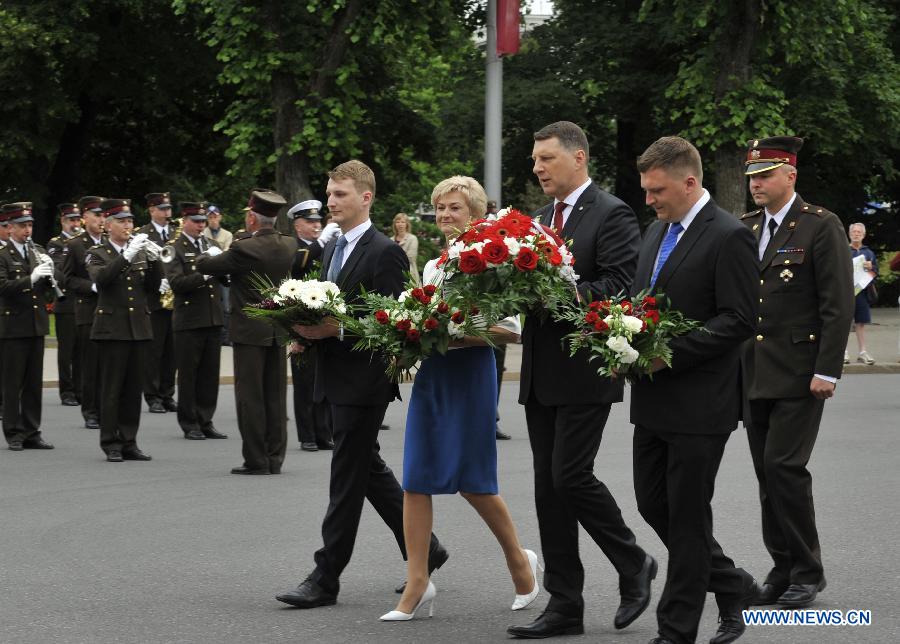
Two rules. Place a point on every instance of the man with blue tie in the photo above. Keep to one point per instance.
(703, 260)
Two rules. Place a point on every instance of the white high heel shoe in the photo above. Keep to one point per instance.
(400, 616)
(522, 601)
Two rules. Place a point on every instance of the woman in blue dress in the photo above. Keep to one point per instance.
(450, 442)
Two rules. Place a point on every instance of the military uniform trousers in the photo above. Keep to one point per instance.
(89, 365)
(198, 352)
(313, 419)
(260, 392)
(159, 364)
(23, 370)
(782, 433)
(68, 360)
(1, 382)
(121, 378)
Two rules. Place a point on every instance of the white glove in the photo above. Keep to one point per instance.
(134, 247)
(213, 251)
(94, 288)
(328, 233)
(164, 286)
(41, 271)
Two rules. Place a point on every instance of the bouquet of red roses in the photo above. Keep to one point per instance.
(408, 329)
(509, 264)
(626, 334)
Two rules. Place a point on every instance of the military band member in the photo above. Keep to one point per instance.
(792, 364)
(159, 365)
(197, 323)
(81, 289)
(127, 275)
(260, 374)
(4, 239)
(25, 291)
(222, 238)
(67, 362)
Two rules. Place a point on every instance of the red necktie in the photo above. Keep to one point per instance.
(558, 216)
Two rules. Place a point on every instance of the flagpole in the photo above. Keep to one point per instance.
(493, 110)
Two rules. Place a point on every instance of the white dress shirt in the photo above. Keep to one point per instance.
(571, 200)
(778, 217)
(352, 236)
(685, 222)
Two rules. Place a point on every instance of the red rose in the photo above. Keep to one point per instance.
(403, 325)
(471, 261)
(591, 317)
(595, 305)
(458, 317)
(429, 289)
(495, 252)
(425, 300)
(474, 310)
(649, 302)
(626, 307)
(412, 335)
(382, 317)
(600, 326)
(651, 316)
(417, 293)
(443, 307)
(431, 324)
(526, 260)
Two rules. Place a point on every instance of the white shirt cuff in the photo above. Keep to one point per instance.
(826, 378)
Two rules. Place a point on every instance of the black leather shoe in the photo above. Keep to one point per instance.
(70, 401)
(212, 432)
(801, 594)
(635, 593)
(309, 447)
(195, 435)
(16, 446)
(326, 445)
(156, 407)
(548, 624)
(135, 455)
(243, 469)
(92, 423)
(436, 558)
(731, 618)
(661, 640)
(769, 594)
(37, 443)
(170, 405)
(114, 456)
(309, 594)
(502, 436)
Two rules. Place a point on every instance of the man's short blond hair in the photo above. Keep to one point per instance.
(674, 155)
(361, 174)
(471, 190)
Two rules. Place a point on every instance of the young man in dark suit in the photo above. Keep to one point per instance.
(566, 416)
(793, 363)
(701, 258)
(354, 383)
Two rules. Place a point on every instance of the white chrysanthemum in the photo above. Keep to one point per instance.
(568, 273)
(567, 257)
(416, 316)
(628, 356)
(290, 288)
(313, 298)
(340, 307)
(512, 245)
(633, 324)
(331, 288)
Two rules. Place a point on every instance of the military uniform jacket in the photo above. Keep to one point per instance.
(266, 253)
(56, 248)
(198, 302)
(76, 280)
(308, 253)
(23, 307)
(157, 239)
(124, 293)
(805, 303)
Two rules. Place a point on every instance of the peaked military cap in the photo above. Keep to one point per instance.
(90, 203)
(69, 210)
(267, 203)
(158, 199)
(193, 210)
(17, 213)
(771, 153)
(117, 208)
(308, 209)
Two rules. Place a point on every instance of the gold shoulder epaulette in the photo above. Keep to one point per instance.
(815, 210)
(752, 213)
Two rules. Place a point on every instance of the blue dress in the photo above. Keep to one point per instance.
(451, 443)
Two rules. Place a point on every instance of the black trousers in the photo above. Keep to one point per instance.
(68, 361)
(1, 382)
(198, 352)
(313, 419)
(564, 444)
(159, 362)
(90, 373)
(260, 392)
(674, 481)
(782, 434)
(122, 372)
(23, 367)
(357, 473)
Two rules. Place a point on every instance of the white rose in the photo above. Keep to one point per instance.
(633, 324)
(453, 329)
(618, 343)
(628, 356)
(512, 245)
(403, 296)
(455, 249)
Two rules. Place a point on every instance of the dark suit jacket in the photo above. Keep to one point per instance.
(23, 306)
(267, 253)
(76, 279)
(197, 300)
(344, 376)
(709, 277)
(124, 293)
(605, 238)
(806, 303)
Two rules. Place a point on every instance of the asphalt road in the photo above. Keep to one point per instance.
(179, 550)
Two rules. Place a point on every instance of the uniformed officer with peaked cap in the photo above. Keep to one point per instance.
(67, 354)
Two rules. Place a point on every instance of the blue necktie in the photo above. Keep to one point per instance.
(337, 259)
(666, 249)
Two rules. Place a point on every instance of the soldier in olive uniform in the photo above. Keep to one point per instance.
(4, 239)
(127, 276)
(25, 291)
(159, 365)
(81, 289)
(67, 355)
(260, 372)
(794, 360)
(197, 322)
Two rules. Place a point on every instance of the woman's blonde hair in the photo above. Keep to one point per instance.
(471, 190)
(401, 216)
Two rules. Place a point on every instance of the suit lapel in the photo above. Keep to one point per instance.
(646, 261)
(358, 251)
(545, 215)
(784, 232)
(584, 203)
(684, 245)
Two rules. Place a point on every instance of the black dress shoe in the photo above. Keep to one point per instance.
(16, 446)
(92, 423)
(801, 594)
(243, 469)
(661, 640)
(212, 432)
(170, 405)
(436, 558)
(548, 624)
(635, 593)
(37, 443)
(769, 594)
(325, 445)
(309, 446)
(309, 594)
(70, 401)
(135, 455)
(156, 407)
(195, 435)
(114, 456)
(502, 436)
(731, 618)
